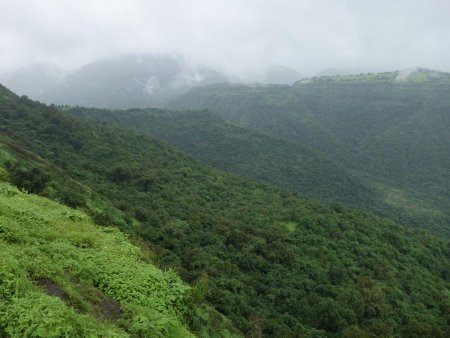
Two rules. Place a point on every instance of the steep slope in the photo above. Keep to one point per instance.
(391, 127)
(94, 307)
(274, 264)
(234, 148)
(61, 275)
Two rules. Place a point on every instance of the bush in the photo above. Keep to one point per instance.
(33, 179)
(73, 199)
(4, 175)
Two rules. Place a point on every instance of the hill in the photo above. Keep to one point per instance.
(237, 149)
(394, 124)
(392, 128)
(274, 264)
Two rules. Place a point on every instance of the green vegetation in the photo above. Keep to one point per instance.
(419, 75)
(61, 275)
(234, 148)
(274, 264)
(389, 129)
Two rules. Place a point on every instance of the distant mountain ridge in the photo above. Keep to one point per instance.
(120, 82)
(407, 75)
(282, 75)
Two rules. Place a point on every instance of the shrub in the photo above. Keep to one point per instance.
(4, 175)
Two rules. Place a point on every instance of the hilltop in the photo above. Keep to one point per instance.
(413, 75)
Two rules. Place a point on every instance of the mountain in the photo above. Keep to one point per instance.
(274, 264)
(282, 75)
(36, 81)
(391, 128)
(121, 82)
(237, 149)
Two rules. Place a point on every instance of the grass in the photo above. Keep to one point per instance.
(290, 226)
(92, 270)
(401, 199)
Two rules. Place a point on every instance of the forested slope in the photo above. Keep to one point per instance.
(274, 264)
(392, 128)
(237, 149)
(397, 128)
(63, 275)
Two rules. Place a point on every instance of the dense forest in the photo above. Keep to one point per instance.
(234, 148)
(391, 129)
(274, 264)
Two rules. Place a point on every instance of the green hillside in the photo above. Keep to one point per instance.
(234, 148)
(395, 127)
(273, 109)
(61, 275)
(274, 264)
(391, 128)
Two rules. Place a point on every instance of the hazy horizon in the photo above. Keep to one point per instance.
(236, 38)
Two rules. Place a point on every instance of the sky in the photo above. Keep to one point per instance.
(234, 36)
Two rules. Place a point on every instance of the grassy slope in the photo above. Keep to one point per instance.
(391, 130)
(61, 275)
(276, 265)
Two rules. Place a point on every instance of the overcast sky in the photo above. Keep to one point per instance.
(239, 36)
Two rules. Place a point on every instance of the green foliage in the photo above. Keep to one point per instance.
(33, 179)
(233, 148)
(30, 171)
(72, 196)
(39, 315)
(43, 241)
(390, 130)
(4, 175)
(276, 265)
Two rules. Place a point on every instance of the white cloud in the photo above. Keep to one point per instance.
(237, 36)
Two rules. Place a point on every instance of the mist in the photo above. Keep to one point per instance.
(242, 39)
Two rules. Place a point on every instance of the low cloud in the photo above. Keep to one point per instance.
(242, 38)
